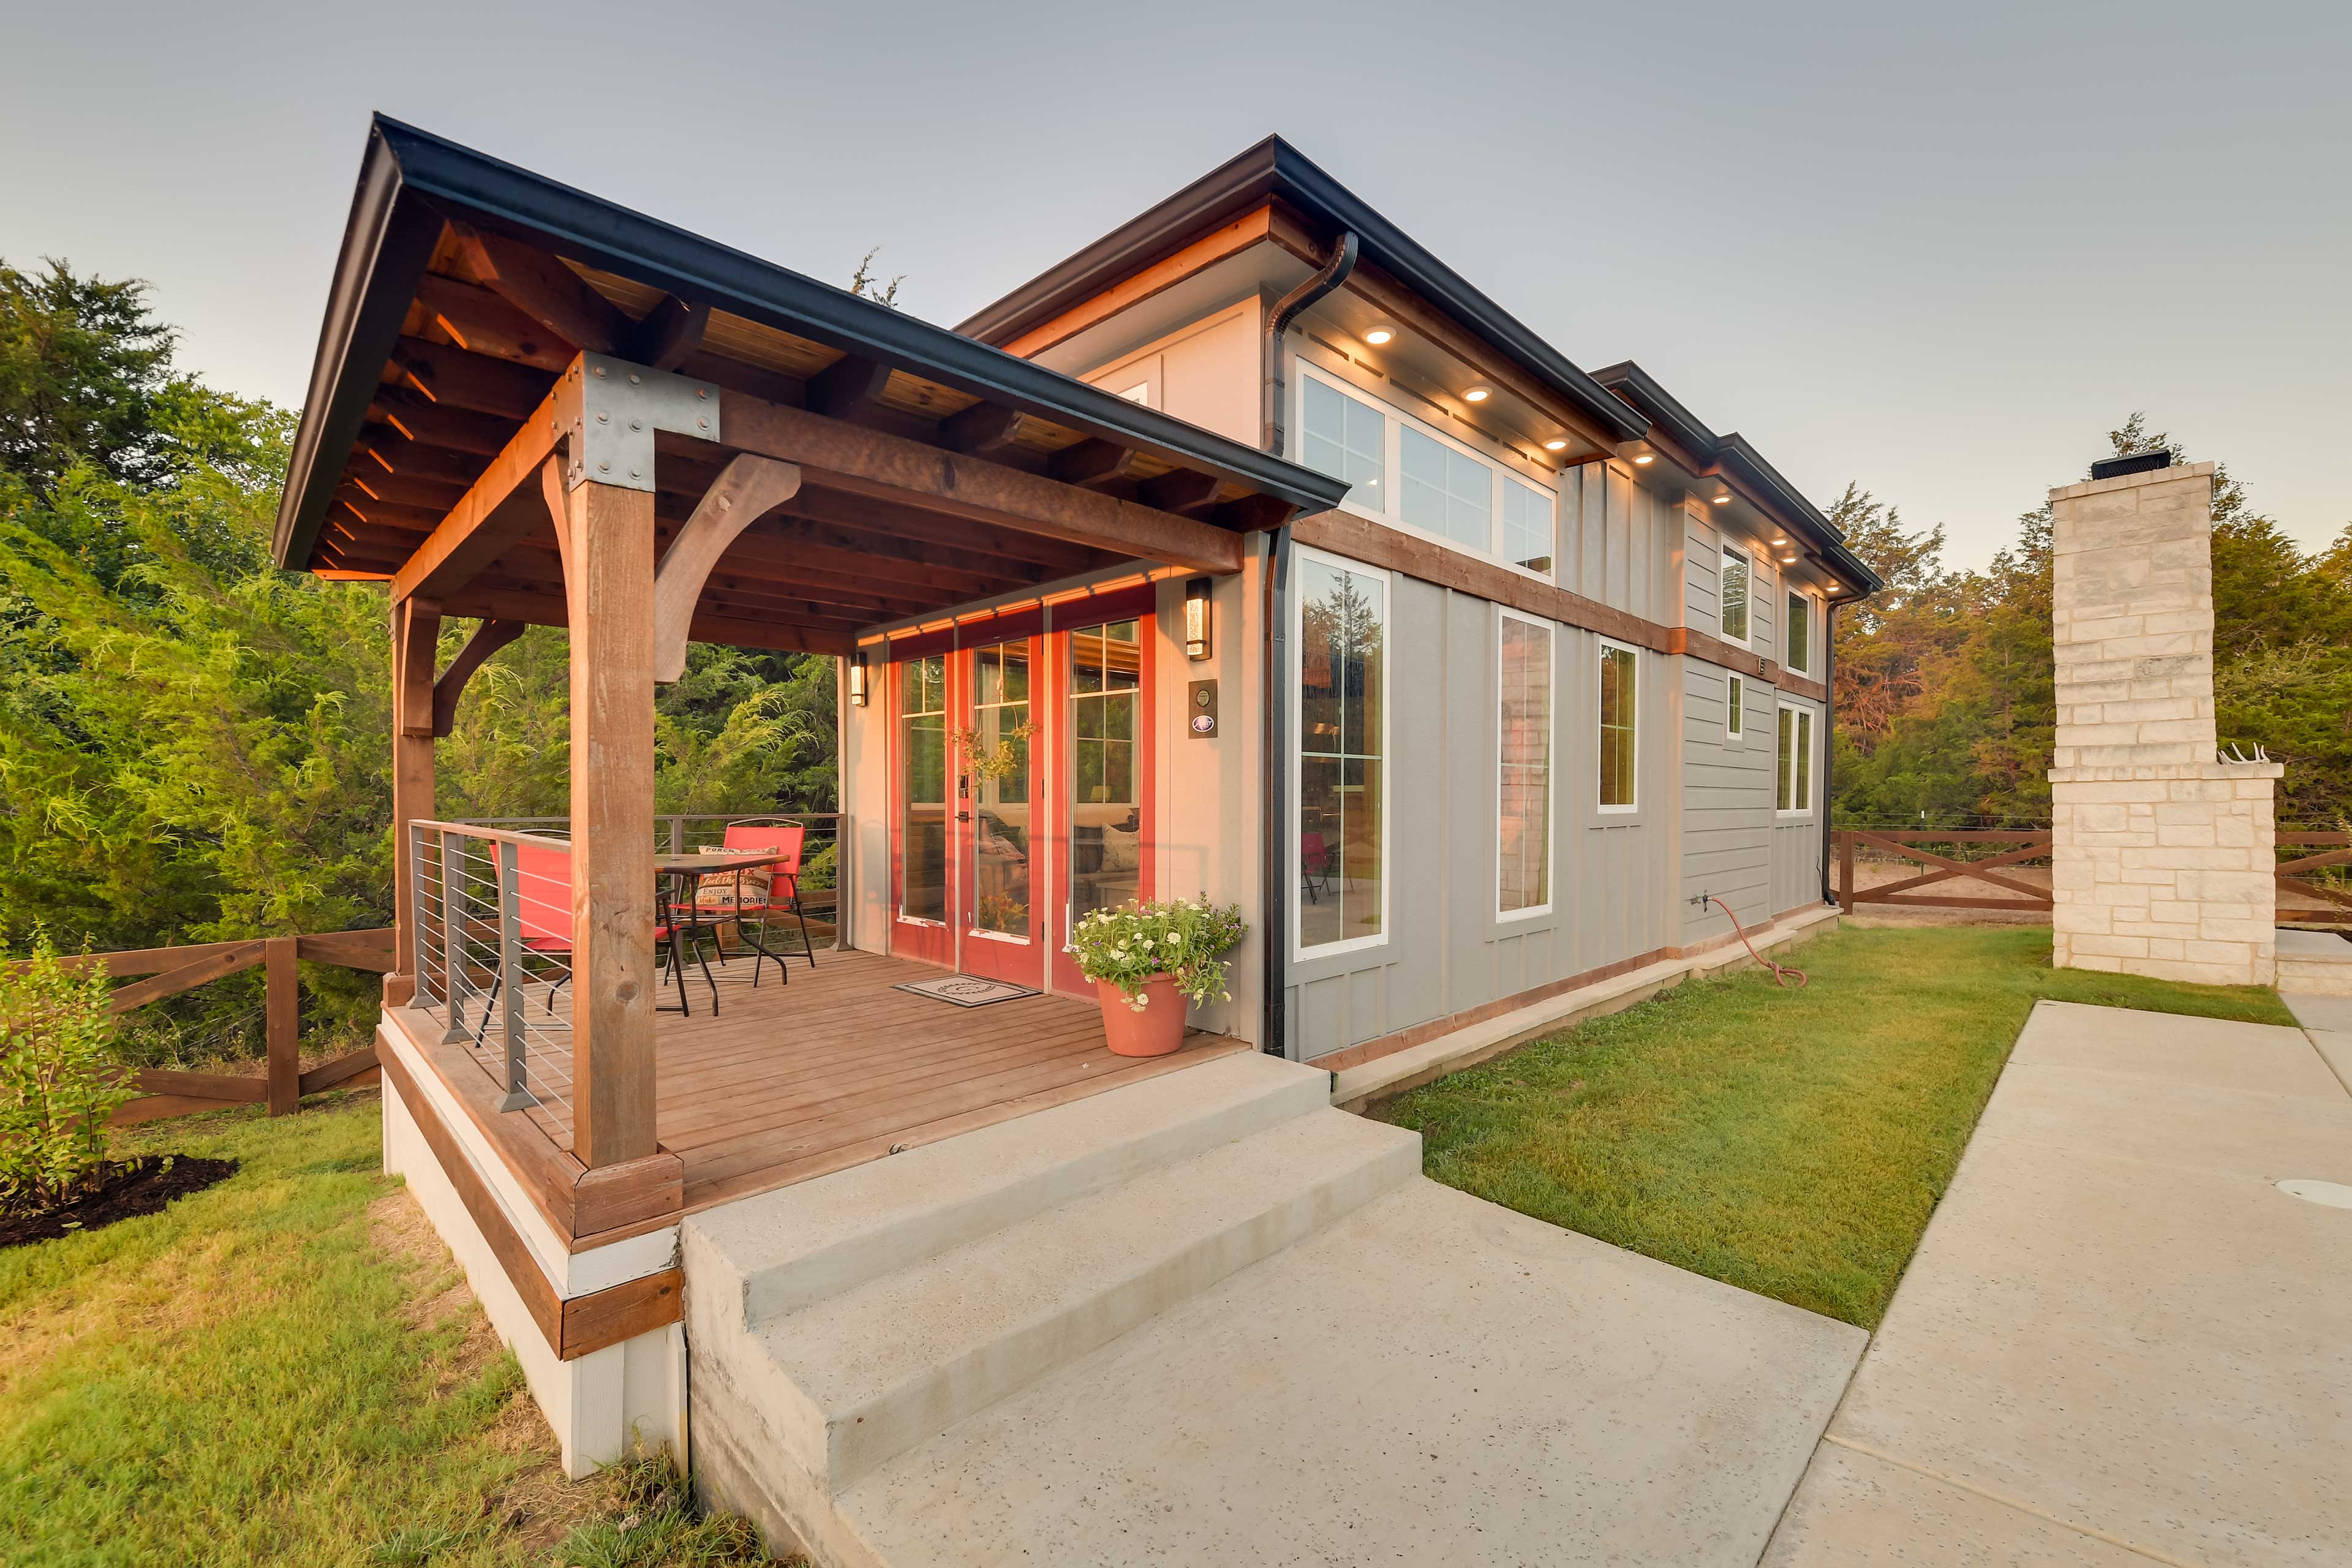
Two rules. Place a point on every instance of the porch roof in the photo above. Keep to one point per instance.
(935, 470)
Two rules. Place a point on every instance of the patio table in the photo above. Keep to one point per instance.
(686, 873)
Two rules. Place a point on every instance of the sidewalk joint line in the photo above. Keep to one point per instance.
(2149, 1552)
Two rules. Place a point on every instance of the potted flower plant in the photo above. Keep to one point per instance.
(1144, 957)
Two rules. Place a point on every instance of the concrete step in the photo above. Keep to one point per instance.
(784, 1250)
(2313, 964)
(866, 1373)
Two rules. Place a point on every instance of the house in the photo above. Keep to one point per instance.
(1548, 660)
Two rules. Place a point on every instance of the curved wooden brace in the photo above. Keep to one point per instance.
(487, 638)
(746, 489)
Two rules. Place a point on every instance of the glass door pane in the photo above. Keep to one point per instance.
(1105, 785)
(1001, 803)
(923, 788)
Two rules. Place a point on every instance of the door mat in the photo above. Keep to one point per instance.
(966, 990)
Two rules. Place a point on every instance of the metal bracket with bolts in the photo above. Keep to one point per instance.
(621, 407)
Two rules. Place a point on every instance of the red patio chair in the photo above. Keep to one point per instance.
(543, 911)
(1314, 866)
(759, 893)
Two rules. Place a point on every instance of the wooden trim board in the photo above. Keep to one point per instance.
(572, 1326)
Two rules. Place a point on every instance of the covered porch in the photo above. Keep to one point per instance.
(533, 408)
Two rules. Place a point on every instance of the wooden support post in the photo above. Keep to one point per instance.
(285, 1014)
(416, 631)
(1845, 872)
(608, 543)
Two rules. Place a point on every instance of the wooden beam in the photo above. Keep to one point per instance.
(1187, 492)
(480, 528)
(609, 565)
(984, 430)
(399, 415)
(453, 378)
(1095, 462)
(487, 638)
(487, 324)
(748, 489)
(670, 333)
(774, 635)
(546, 290)
(849, 388)
(874, 462)
(942, 538)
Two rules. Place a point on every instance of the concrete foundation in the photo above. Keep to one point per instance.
(2161, 854)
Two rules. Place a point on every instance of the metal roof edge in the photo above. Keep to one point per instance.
(1273, 167)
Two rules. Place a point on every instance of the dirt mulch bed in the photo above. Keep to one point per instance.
(118, 1189)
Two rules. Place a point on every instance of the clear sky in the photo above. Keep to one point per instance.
(1936, 251)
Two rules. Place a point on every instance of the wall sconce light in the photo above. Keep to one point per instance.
(857, 679)
(1199, 620)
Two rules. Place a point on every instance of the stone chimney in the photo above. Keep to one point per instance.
(2161, 853)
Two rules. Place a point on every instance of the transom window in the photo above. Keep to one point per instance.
(1732, 612)
(1800, 634)
(1620, 714)
(1411, 474)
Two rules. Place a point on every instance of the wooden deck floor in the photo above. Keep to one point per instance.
(791, 1081)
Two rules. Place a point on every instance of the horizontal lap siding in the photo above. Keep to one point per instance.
(1612, 882)
(1728, 816)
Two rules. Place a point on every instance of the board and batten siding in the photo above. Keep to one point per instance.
(1612, 877)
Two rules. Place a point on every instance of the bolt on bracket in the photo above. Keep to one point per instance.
(621, 405)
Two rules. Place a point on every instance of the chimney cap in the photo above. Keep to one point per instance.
(2138, 463)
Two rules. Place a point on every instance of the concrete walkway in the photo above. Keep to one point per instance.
(2120, 1342)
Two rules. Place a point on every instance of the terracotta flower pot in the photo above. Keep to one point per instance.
(1155, 1031)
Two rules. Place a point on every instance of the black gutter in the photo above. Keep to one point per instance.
(419, 178)
(1274, 901)
(1274, 168)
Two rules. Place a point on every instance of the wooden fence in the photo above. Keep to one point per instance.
(172, 970)
(1910, 844)
(2335, 849)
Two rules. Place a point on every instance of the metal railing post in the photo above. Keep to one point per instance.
(453, 945)
(415, 953)
(512, 1001)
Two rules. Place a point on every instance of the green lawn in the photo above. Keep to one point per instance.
(284, 1369)
(1790, 1142)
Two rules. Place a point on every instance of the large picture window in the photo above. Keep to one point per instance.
(1522, 767)
(1732, 610)
(1342, 672)
(1620, 709)
(1413, 474)
(1796, 795)
(1800, 634)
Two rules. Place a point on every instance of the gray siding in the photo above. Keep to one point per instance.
(1728, 803)
(1611, 890)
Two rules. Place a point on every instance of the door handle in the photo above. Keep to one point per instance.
(964, 816)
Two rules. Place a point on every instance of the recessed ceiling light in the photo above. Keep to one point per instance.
(1476, 394)
(1719, 500)
(1377, 336)
(1555, 444)
(1837, 587)
(1780, 539)
(1646, 457)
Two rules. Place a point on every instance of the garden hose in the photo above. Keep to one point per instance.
(1781, 972)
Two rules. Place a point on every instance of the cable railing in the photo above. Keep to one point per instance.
(494, 952)
(823, 875)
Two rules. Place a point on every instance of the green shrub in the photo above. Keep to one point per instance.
(57, 1082)
(1184, 939)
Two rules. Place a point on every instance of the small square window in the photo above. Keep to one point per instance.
(1526, 526)
(1346, 439)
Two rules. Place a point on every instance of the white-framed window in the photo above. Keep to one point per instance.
(1734, 707)
(1617, 711)
(1522, 794)
(1412, 475)
(1795, 797)
(1339, 679)
(1528, 528)
(1799, 634)
(1731, 613)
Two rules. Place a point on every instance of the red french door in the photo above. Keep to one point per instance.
(1101, 754)
(998, 817)
(1020, 780)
